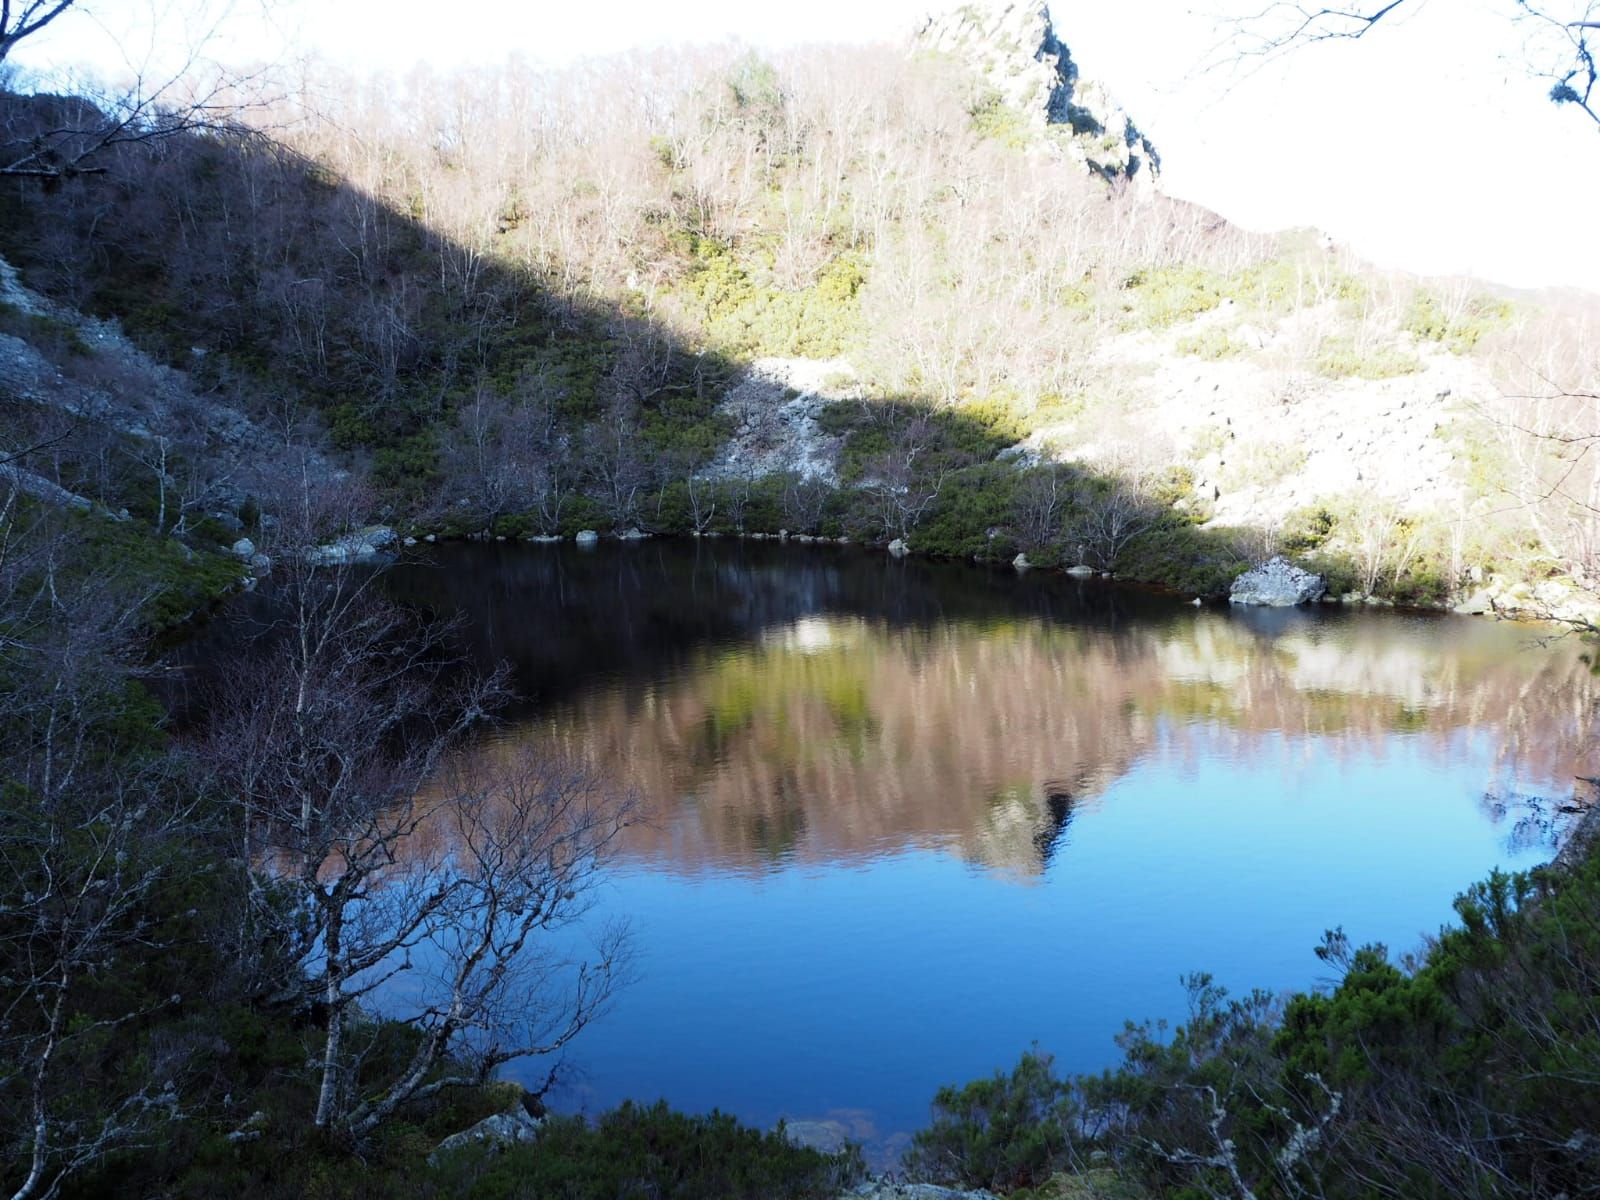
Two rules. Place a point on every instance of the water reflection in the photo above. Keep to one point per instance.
(852, 764)
(778, 704)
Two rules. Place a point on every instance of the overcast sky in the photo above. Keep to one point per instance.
(1426, 145)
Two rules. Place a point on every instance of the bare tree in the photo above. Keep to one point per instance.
(87, 831)
(391, 884)
(1044, 499)
(805, 498)
(702, 494)
(1108, 514)
(1569, 25)
(52, 138)
(904, 480)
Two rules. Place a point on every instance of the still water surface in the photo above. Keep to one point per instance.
(908, 818)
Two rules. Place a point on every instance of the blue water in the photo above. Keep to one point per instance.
(905, 824)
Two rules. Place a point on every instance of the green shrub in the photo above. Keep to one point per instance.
(972, 516)
(1007, 1131)
(1166, 296)
(744, 316)
(993, 118)
(640, 1151)
(1210, 344)
(1427, 320)
(1340, 358)
(1181, 556)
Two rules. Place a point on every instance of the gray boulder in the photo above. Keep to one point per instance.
(1082, 571)
(898, 548)
(245, 548)
(1020, 562)
(1277, 583)
(587, 537)
(510, 1128)
(370, 545)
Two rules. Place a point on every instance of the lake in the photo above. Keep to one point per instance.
(908, 818)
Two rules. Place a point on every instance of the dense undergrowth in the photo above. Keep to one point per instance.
(1470, 1069)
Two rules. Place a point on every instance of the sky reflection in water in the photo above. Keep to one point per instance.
(908, 819)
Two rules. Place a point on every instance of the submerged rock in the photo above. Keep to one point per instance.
(1081, 571)
(587, 537)
(1277, 583)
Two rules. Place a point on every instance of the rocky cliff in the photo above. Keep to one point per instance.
(1013, 48)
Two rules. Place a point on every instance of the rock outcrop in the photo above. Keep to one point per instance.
(1277, 583)
(512, 1127)
(774, 407)
(1013, 47)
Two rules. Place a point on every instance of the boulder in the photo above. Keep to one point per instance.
(512, 1127)
(634, 535)
(587, 537)
(1081, 571)
(370, 545)
(898, 548)
(1277, 583)
(261, 564)
(1021, 563)
(244, 548)
(1478, 604)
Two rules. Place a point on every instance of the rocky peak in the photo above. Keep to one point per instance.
(1013, 48)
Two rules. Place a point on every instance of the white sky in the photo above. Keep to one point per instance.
(1427, 145)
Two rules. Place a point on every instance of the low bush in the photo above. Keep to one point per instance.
(1005, 1132)
(1340, 358)
(650, 1151)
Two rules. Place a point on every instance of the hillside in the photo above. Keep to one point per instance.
(930, 293)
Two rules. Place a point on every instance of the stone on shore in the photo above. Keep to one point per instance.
(1277, 583)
